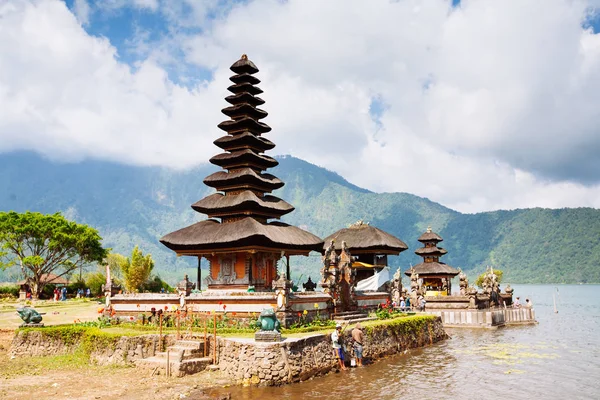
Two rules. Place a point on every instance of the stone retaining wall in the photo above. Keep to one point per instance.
(125, 351)
(491, 318)
(297, 359)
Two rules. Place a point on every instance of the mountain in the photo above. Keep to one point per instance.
(138, 205)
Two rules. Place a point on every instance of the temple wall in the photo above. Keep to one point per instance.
(491, 318)
(298, 359)
(240, 265)
(124, 350)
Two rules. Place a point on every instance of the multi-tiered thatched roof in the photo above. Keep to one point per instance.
(240, 209)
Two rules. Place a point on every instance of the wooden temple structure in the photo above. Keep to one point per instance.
(370, 247)
(436, 275)
(358, 277)
(242, 246)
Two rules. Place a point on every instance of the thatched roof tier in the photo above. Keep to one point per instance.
(245, 87)
(430, 251)
(430, 236)
(244, 124)
(218, 204)
(211, 236)
(242, 178)
(245, 78)
(244, 98)
(245, 140)
(244, 158)
(244, 110)
(433, 268)
(365, 238)
(244, 66)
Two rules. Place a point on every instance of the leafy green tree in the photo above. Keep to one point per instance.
(137, 270)
(480, 278)
(46, 243)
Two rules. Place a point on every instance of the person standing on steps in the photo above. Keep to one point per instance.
(358, 337)
(337, 345)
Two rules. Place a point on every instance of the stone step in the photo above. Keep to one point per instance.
(346, 313)
(195, 344)
(177, 368)
(187, 351)
(347, 317)
(355, 320)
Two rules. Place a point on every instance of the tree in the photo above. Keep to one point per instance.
(137, 270)
(480, 278)
(46, 243)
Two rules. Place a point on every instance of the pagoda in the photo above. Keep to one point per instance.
(436, 275)
(242, 246)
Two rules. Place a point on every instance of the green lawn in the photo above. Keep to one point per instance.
(56, 313)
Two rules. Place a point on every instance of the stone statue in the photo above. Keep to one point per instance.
(396, 291)
(269, 327)
(282, 288)
(29, 316)
(463, 282)
(309, 285)
(185, 286)
(267, 321)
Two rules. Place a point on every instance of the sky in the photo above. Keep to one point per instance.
(478, 105)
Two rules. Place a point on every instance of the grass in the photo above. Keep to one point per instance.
(56, 313)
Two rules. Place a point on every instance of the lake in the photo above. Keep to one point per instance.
(558, 358)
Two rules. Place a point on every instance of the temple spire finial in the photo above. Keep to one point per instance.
(429, 229)
(244, 57)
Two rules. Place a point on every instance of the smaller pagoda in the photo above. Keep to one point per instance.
(437, 276)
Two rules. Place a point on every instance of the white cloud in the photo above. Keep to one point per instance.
(81, 8)
(490, 105)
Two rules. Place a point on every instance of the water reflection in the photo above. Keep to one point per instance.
(555, 359)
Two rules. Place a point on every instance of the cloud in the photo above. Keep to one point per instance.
(81, 8)
(491, 104)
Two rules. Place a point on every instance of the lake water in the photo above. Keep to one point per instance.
(557, 359)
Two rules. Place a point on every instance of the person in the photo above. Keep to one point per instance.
(407, 305)
(55, 294)
(88, 292)
(422, 303)
(528, 303)
(517, 303)
(402, 304)
(64, 293)
(337, 345)
(358, 337)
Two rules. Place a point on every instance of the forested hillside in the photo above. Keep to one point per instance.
(138, 205)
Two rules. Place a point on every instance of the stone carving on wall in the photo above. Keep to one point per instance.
(396, 287)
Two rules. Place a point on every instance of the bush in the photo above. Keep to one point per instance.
(94, 281)
(9, 291)
(155, 284)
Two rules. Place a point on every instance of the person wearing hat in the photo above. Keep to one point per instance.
(358, 337)
(337, 345)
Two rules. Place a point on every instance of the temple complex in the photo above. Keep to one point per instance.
(437, 276)
(241, 245)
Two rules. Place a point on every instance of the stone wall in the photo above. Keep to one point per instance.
(125, 350)
(297, 359)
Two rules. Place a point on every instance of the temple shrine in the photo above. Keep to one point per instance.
(241, 245)
(370, 247)
(437, 276)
